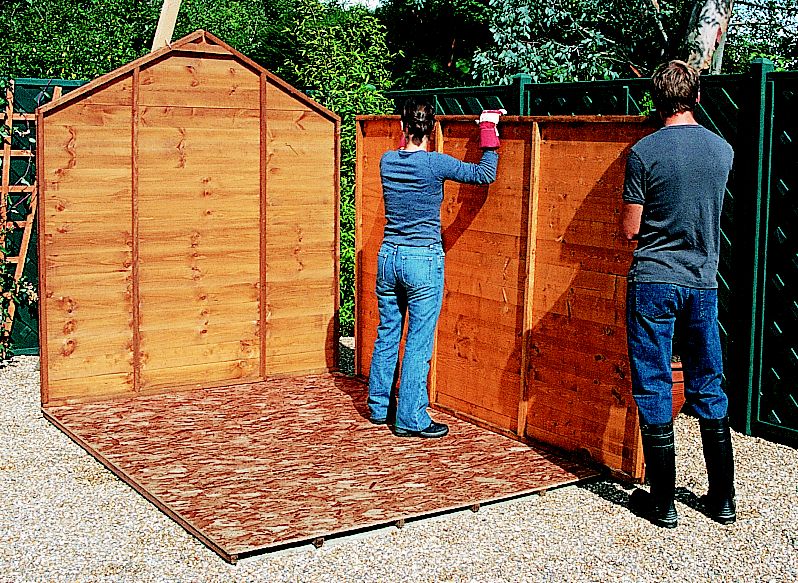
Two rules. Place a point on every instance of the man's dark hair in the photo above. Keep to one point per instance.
(418, 119)
(676, 87)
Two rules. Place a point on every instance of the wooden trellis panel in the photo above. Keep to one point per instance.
(6, 187)
(531, 338)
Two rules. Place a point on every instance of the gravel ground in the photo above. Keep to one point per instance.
(63, 517)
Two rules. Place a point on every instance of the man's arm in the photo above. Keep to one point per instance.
(630, 220)
(633, 197)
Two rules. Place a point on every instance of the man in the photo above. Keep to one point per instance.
(673, 194)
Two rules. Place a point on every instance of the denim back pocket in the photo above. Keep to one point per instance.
(383, 259)
(417, 270)
(655, 300)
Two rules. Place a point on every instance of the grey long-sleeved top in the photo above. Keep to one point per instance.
(412, 187)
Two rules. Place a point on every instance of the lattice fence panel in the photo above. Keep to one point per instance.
(778, 390)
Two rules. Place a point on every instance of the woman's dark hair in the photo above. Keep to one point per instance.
(418, 119)
(676, 86)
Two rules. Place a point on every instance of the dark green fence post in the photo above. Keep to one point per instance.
(520, 82)
(752, 169)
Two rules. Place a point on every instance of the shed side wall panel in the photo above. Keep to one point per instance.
(199, 223)
(86, 206)
(301, 285)
(484, 234)
(579, 387)
(376, 137)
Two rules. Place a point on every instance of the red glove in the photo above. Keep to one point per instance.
(488, 132)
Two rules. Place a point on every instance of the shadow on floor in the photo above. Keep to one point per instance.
(618, 493)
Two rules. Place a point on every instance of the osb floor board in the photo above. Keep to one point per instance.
(249, 467)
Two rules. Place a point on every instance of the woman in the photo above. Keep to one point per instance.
(410, 263)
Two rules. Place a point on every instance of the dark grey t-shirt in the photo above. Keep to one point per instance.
(679, 175)
(412, 187)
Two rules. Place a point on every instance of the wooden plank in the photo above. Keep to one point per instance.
(118, 92)
(200, 118)
(531, 273)
(188, 354)
(372, 140)
(476, 414)
(263, 226)
(199, 374)
(301, 242)
(135, 235)
(107, 385)
(44, 359)
(295, 364)
(578, 379)
(199, 242)
(278, 99)
(496, 391)
(337, 250)
(195, 81)
(480, 322)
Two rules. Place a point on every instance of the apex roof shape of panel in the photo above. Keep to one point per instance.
(199, 42)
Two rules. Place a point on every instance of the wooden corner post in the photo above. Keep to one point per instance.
(529, 283)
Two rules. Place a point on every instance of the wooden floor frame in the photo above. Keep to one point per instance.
(560, 471)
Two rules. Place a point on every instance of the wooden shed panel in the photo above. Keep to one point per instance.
(202, 374)
(86, 210)
(201, 118)
(580, 395)
(202, 81)
(97, 387)
(375, 138)
(199, 223)
(488, 280)
(277, 98)
(117, 92)
(481, 415)
(300, 261)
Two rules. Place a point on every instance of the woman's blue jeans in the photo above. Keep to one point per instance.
(409, 287)
(654, 313)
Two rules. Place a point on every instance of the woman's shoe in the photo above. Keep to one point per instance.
(433, 431)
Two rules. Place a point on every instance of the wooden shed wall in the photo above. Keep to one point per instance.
(301, 310)
(531, 338)
(579, 390)
(189, 233)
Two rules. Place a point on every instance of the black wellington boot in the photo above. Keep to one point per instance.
(719, 457)
(660, 455)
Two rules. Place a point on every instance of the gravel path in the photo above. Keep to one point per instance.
(63, 517)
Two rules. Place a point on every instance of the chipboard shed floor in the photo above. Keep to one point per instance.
(251, 467)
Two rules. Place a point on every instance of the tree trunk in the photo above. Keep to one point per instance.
(708, 23)
(717, 58)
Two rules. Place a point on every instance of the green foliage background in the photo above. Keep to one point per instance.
(343, 55)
